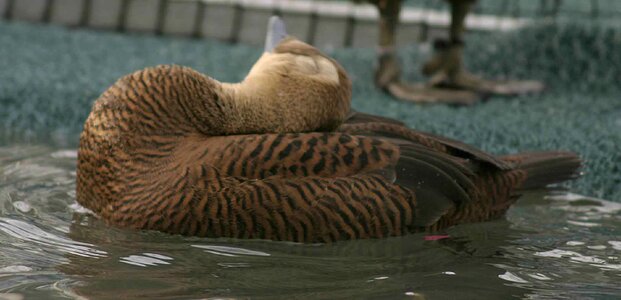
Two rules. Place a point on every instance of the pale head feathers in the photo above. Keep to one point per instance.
(295, 88)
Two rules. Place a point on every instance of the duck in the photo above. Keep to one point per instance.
(281, 156)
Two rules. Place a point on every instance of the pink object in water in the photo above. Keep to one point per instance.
(435, 237)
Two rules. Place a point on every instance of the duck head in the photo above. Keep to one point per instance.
(293, 87)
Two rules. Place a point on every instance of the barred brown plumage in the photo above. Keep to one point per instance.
(279, 156)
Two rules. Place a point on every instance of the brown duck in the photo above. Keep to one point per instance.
(279, 156)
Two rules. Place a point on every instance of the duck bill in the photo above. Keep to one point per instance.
(276, 32)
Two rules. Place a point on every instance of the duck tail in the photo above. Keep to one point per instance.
(545, 168)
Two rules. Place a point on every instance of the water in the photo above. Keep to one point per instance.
(50, 248)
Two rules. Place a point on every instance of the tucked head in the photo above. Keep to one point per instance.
(296, 76)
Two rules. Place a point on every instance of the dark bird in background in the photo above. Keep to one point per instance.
(280, 156)
(449, 81)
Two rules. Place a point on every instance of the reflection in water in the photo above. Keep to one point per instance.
(563, 246)
(236, 268)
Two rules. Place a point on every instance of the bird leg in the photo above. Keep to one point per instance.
(445, 68)
(388, 72)
(449, 82)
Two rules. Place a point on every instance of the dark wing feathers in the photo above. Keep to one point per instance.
(456, 170)
(377, 126)
(464, 150)
(543, 168)
(436, 191)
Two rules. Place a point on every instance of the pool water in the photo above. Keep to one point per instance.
(547, 247)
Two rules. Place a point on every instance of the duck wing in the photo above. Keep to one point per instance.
(371, 125)
(440, 181)
(304, 209)
(211, 197)
(290, 155)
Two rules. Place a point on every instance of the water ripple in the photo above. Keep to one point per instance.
(15, 269)
(615, 245)
(146, 259)
(65, 154)
(27, 232)
(580, 203)
(508, 276)
(230, 251)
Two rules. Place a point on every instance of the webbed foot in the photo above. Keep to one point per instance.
(387, 77)
(445, 69)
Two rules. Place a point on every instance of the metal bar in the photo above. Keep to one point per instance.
(86, 12)
(8, 13)
(237, 22)
(349, 31)
(161, 16)
(123, 15)
(47, 11)
(198, 19)
(312, 27)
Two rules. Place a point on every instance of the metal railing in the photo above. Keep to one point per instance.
(581, 9)
(326, 23)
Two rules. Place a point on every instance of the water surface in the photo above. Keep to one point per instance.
(565, 246)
